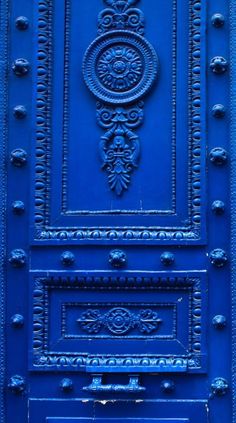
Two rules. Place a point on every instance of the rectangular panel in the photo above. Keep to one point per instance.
(79, 420)
(73, 314)
(162, 195)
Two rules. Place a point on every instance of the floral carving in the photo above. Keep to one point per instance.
(121, 15)
(119, 321)
(120, 68)
(119, 146)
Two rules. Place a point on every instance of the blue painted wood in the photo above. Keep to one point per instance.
(117, 231)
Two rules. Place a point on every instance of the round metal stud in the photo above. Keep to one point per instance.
(21, 67)
(218, 207)
(66, 385)
(219, 321)
(218, 20)
(167, 258)
(67, 258)
(22, 23)
(18, 157)
(18, 207)
(19, 112)
(117, 258)
(167, 386)
(218, 257)
(17, 258)
(218, 111)
(218, 156)
(219, 386)
(16, 384)
(218, 65)
(17, 321)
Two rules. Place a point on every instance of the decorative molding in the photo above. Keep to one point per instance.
(4, 22)
(43, 358)
(121, 16)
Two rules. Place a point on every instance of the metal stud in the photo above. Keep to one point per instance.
(117, 258)
(22, 23)
(218, 20)
(17, 258)
(218, 111)
(18, 157)
(218, 257)
(66, 385)
(218, 207)
(219, 386)
(218, 156)
(19, 112)
(17, 321)
(16, 384)
(18, 207)
(167, 258)
(218, 65)
(67, 258)
(219, 321)
(21, 67)
(167, 386)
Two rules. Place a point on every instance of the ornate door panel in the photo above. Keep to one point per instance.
(117, 287)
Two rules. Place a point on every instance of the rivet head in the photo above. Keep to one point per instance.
(17, 321)
(167, 258)
(219, 386)
(218, 156)
(167, 386)
(218, 20)
(218, 207)
(18, 157)
(19, 112)
(218, 111)
(218, 257)
(67, 258)
(18, 207)
(66, 385)
(16, 384)
(17, 258)
(22, 23)
(219, 321)
(21, 67)
(117, 258)
(218, 65)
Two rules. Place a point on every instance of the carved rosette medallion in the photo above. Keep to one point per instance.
(119, 68)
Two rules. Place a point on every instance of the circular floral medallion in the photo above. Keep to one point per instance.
(119, 320)
(120, 67)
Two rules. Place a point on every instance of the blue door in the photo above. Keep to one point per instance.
(116, 288)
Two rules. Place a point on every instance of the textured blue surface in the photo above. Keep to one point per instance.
(115, 260)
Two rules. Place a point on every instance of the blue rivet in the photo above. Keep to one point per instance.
(17, 321)
(22, 23)
(67, 258)
(167, 258)
(17, 258)
(219, 386)
(18, 207)
(117, 258)
(218, 207)
(218, 20)
(218, 65)
(21, 67)
(19, 112)
(218, 111)
(218, 257)
(66, 385)
(218, 156)
(18, 157)
(167, 386)
(16, 384)
(219, 321)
